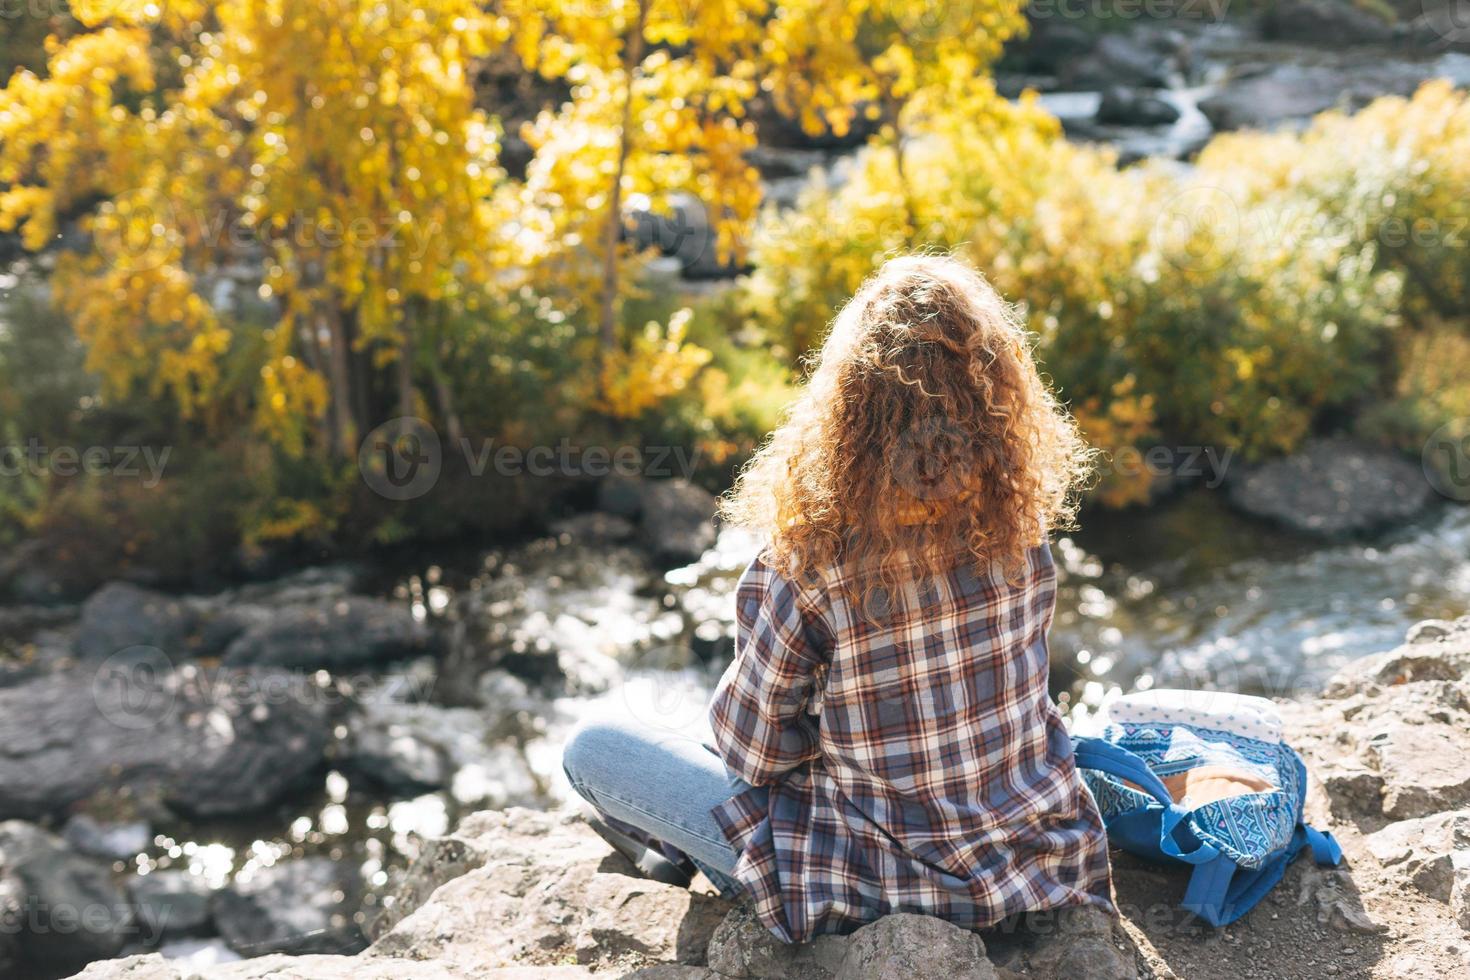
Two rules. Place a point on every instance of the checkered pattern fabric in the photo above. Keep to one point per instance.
(914, 765)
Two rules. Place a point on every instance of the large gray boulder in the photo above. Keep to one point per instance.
(171, 904)
(1328, 23)
(60, 910)
(121, 615)
(1290, 94)
(203, 743)
(349, 632)
(1333, 487)
(675, 517)
(305, 905)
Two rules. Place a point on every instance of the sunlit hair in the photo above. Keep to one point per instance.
(925, 436)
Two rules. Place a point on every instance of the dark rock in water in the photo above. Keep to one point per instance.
(621, 496)
(19, 623)
(677, 523)
(351, 632)
(1133, 107)
(68, 911)
(1049, 47)
(1333, 487)
(1440, 26)
(1326, 23)
(113, 841)
(298, 906)
(593, 528)
(12, 910)
(685, 232)
(675, 517)
(1149, 60)
(777, 162)
(121, 615)
(227, 743)
(171, 905)
(1291, 94)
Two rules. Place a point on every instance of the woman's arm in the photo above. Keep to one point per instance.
(761, 726)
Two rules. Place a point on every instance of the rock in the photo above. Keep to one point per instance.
(1051, 45)
(120, 616)
(1129, 58)
(621, 496)
(539, 888)
(215, 744)
(1433, 650)
(743, 949)
(776, 162)
(303, 905)
(675, 517)
(113, 841)
(171, 904)
(683, 231)
(64, 910)
(1135, 107)
(898, 947)
(677, 520)
(1059, 944)
(19, 623)
(1422, 850)
(1326, 23)
(1290, 94)
(352, 632)
(1333, 899)
(593, 528)
(12, 924)
(1333, 487)
(1460, 889)
(1425, 767)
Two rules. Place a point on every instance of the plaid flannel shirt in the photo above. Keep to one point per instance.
(919, 765)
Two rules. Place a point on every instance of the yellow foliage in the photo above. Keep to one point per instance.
(659, 363)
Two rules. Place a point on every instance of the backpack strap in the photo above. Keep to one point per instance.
(1106, 757)
(1220, 892)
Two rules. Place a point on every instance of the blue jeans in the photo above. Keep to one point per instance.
(663, 782)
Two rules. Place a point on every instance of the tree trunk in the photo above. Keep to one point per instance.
(612, 231)
(404, 366)
(910, 213)
(339, 363)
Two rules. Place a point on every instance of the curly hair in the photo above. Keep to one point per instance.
(925, 435)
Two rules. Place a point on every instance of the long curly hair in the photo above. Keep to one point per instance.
(925, 435)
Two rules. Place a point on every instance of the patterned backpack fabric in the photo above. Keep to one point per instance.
(1203, 779)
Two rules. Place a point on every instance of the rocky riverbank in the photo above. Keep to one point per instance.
(522, 894)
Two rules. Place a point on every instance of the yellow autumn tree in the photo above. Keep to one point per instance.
(900, 61)
(657, 107)
(331, 153)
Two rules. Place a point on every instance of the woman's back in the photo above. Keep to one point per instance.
(936, 775)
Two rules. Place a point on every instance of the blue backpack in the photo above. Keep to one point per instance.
(1240, 843)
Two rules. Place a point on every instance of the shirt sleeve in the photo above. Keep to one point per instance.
(759, 713)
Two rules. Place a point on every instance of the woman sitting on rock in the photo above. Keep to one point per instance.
(885, 739)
